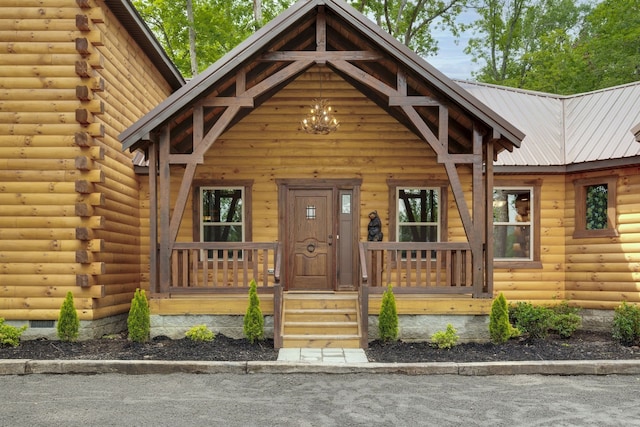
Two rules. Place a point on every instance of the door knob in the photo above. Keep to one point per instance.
(330, 240)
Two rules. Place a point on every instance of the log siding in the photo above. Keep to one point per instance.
(72, 79)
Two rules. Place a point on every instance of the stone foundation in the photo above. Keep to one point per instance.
(420, 327)
(175, 327)
(89, 329)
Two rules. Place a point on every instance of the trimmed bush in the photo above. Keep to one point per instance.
(626, 324)
(500, 330)
(10, 335)
(388, 319)
(445, 339)
(565, 320)
(200, 333)
(139, 321)
(532, 320)
(68, 321)
(253, 321)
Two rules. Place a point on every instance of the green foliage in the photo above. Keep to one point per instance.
(139, 321)
(626, 323)
(200, 333)
(558, 46)
(500, 330)
(68, 321)
(597, 204)
(445, 339)
(388, 318)
(10, 335)
(538, 321)
(532, 320)
(565, 320)
(253, 321)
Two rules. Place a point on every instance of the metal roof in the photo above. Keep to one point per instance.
(141, 34)
(566, 130)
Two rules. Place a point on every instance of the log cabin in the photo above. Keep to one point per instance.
(74, 74)
(238, 176)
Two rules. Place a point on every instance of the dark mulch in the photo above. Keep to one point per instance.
(582, 346)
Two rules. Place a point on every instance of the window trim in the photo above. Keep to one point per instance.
(580, 215)
(246, 186)
(442, 187)
(536, 186)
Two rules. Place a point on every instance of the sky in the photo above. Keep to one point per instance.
(451, 60)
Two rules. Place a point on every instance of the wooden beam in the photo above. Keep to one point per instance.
(210, 138)
(153, 218)
(181, 201)
(164, 197)
(424, 130)
(463, 208)
(416, 101)
(356, 55)
(277, 78)
(225, 101)
(478, 214)
(364, 77)
(488, 251)
(321, 33)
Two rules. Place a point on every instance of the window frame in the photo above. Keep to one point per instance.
(580, 186)
(534, 211)
(396, 185)
(245, 186)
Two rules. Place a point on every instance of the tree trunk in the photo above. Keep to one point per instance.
(192, 39)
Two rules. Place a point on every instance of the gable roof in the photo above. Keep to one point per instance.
(567, 130)
(140, 32)
(378, 56)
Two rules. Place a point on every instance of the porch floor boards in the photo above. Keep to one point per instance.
(320, 320)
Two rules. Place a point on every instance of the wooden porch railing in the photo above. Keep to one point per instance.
(224, 266)
(439, 268)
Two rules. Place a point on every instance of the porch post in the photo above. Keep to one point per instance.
(488, 253)
(478, 263)
(164, 267)
(153, 218)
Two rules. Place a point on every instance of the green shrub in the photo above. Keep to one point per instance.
(388, 318)
(626, 323)
(10, 335)
(139, 322)
(253, 321)
(445, 339)
(500, 330)
(68, 321)
(200, 333)
(565, 319)
(532, 320)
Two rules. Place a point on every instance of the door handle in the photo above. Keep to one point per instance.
(330, 240)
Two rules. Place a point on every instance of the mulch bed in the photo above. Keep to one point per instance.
(582, 346)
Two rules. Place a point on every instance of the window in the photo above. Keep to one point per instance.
(512, 223)
(595, 208)
(418, 214)
(417, 211)
(516, 224)
(221, 214)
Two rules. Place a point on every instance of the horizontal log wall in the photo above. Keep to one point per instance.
(546, 283)
(72, 79)
(603, 272)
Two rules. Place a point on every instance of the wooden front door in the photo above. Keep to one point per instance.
(311, 239)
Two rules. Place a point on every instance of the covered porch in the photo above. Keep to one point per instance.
(297, 204)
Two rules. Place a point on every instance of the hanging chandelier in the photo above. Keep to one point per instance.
(320, 119)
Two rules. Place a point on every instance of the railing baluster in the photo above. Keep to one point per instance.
(418, 269)
(225, 268)
(185, 268)
(174, 268)
(245, 267)
(205, 269)
(428, 262)
(194, 267)
(469, 274)
(215, 269)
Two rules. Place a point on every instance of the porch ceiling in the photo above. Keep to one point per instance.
(327, 33)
